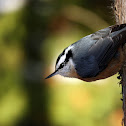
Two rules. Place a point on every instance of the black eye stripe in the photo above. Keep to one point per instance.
(60, 56)
(68, 55)
(61, 65)
(58, 59)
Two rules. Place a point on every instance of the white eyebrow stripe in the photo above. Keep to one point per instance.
(62, 58)
(67, 49)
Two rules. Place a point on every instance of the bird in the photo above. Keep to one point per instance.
(94, 57)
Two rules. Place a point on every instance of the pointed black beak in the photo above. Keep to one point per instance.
(51, 75)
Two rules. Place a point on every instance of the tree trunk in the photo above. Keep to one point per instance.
(120, 14)
(35, 22)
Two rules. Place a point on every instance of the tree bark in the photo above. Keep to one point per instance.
(120, 15)
(120, 11)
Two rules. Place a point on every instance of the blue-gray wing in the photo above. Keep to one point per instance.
(102, 50)
(106, 47)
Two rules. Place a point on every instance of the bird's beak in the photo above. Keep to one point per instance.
(51, 75)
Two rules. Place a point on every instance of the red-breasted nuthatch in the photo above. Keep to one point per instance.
(96, 56)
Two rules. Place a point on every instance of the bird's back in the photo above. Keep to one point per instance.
(94, 52)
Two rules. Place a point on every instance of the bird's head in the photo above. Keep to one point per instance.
(64, 64)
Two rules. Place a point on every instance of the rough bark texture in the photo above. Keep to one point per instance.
(120, 11)
(120, 14)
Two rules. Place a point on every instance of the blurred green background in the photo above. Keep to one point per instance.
(32, 34)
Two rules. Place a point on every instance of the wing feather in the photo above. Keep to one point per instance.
(106, 47)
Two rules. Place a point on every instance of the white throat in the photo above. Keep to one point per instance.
(68, 70)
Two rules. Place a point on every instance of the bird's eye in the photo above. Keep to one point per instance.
(62, 65)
